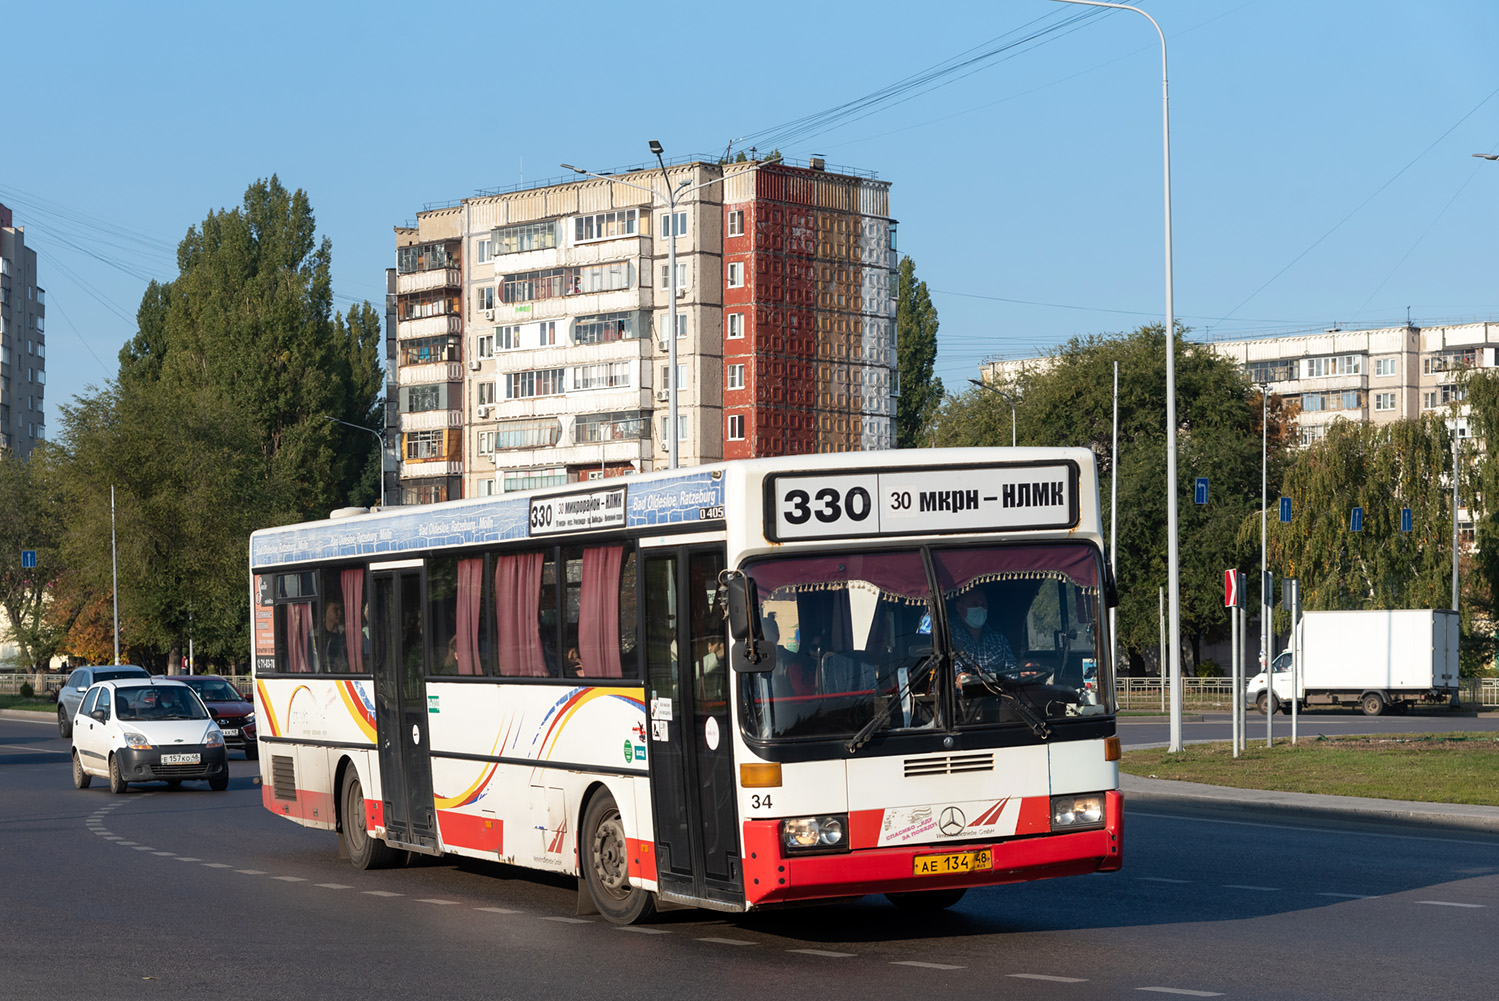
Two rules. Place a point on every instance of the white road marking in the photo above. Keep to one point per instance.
(335, 886)
(382, 893)
(498, 910)
(1161, 879)
(252, 872)
(434, 900)
(1350, 896)
(1245, 886)
(570, 921)
(1448, 903)
(217, 865)
(1180, 990)
(926, 966)
(127, 842)
(726, 941)
(642, 931)
(825, 952)
(43, 750)
(289, 879)
(187, 858)
(144, 848)
(1044, 976)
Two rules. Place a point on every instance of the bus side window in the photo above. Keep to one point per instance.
(597, 628)
(519, 639)
(294, 646)
(546, 613)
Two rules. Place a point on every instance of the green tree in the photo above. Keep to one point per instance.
(1067, 399)
(30, 519)
(916, 355)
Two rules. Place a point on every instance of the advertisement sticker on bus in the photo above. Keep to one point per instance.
(909, 502)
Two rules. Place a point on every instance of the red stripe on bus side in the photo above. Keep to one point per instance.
(642, 858)
(464, 830)
(308, 805)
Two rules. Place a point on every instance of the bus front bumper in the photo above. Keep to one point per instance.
(773, 877)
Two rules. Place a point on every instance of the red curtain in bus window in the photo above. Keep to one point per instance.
(351, 582)
(298, 642)
(598, 611)
(517, 597)
(470, 589)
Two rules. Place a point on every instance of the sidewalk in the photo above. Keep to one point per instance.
(1145, 790)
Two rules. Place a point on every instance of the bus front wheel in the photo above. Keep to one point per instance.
(365, 852)
(606, 865)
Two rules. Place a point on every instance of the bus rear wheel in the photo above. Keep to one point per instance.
(365, 852)
(926, 900)
(606, 865)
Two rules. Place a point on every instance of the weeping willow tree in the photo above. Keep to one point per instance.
(1381, 469)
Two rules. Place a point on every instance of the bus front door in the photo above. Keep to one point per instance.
(397, 650)
(692, 765)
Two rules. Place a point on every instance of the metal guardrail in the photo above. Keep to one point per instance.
(1140, 694)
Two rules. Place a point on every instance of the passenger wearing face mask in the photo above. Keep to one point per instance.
(983, 647)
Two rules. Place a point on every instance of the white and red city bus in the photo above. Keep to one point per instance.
(730, 686)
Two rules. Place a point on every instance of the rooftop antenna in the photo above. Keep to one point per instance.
(523, 168)
(1407, 316)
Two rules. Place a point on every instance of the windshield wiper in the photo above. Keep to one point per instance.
(883, 716)
(1000, 685)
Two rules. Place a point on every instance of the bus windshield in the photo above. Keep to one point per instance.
(933, 638)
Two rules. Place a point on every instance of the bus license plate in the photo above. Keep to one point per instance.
(936, 865)
(230, 732)
(179, 759)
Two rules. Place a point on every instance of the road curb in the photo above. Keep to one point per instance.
(30, 714)
(1139, 789)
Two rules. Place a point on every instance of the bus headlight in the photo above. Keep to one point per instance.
(1076, 813)
(815, 834)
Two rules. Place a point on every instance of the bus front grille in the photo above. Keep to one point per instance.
(952, 764)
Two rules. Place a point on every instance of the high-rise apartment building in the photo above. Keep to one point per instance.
(23, 341)
(532, 331)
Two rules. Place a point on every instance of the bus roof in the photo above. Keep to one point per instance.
(692, 497)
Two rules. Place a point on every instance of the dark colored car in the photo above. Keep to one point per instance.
(234, 713)
(82, 678)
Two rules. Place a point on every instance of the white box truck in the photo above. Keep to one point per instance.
(1380, 660)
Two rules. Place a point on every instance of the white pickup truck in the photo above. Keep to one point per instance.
(1378, 660)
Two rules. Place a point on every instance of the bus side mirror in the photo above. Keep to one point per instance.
(1110, 587)
(751, 653)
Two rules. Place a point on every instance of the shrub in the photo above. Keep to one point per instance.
(26, 690)
(1209, 669)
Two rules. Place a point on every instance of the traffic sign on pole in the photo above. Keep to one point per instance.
(1233, 589)
(1285, 509)
(1200, 496)
(1405, 519)
(28, 559)
(1356, 522)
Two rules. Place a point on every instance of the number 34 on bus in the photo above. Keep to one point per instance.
(736, 686)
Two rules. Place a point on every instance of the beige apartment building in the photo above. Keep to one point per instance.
(23, 341)
(527, 330)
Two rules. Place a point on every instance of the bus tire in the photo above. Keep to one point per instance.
(606, 865)
(925, 901)
(365, 851)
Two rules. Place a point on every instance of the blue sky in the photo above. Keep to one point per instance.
(1320, 151)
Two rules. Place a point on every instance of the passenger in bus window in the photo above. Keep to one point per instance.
(335, 649)
(574, 667)
(980, 646)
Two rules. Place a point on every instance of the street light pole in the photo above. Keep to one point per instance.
(1265, 596)
(1004, 396)
(1172, 560)
(378, 437)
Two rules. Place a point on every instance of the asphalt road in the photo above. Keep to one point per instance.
(1137, 731)
(190, 894)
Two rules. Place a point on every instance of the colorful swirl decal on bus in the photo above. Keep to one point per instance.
(568, 706)
(268, 709)
(476, 791)
(359, 708)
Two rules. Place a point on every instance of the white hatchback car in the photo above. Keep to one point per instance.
(146, 730)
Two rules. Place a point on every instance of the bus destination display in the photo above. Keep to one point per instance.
(995, 498)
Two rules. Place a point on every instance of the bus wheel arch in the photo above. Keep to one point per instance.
(365, 851)
(603, 857)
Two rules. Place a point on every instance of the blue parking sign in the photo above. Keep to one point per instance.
(1200, 495)
(28, 559)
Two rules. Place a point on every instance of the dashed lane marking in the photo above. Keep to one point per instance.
(1350, 896)
(1047, 976)
(434, 900)
(498, 910)
(642, 931)
(187, 858)
(382, 893)
(825, 952)
(166, 854)
(289, 879)
(144, 848)
(726, 941)
(1246, 886)
(568, 921)
(217, 865)
(1182, 991)
(252, 872)
(926, 966)
(1448, 903)
(1161, 879)
(335, 886)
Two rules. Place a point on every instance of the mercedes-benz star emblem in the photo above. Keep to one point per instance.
(952, 821)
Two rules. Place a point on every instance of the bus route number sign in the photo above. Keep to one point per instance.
(916, 502)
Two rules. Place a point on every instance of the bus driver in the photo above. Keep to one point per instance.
(979, 645)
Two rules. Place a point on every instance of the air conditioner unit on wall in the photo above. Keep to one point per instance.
(482, 410)
(489, 314)
(473, 364)
(663, 395)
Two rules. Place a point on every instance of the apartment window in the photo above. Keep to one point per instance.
(523, 237)
(1384, 366)
(420, 399)
(735, 326)
(1312, 435)
(39, 322)
(681, 275)
(892, 236)
(736, 274)
(424, 350)
(611, 427)
(542, 382)
(546, 333)
(507, 338)
(681, 428)
(736, 427)
(424, 445)
(484, 254)
(487, 487)
(486, 442)
(681, 227)
(527, 434)
(1448, 361)
(534, 479)
(666, 376)
(736, 222)
(31, 292)
(1384, 401)
(1428, 401)
(41, 297)
(1311, 402)
(1353, 399)
(426, 257)
(484, 346)
(604, 226)
(599, 278)
(486, 392)
(486, 297)
(603, 328)
(1333, 365)
(736, 376)
(607, 375)
(531, 285)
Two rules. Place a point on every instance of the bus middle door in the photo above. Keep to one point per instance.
(688, 689)
(401, 707)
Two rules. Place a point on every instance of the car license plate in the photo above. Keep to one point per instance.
(179, 759)
(230, 732)
(936, 865)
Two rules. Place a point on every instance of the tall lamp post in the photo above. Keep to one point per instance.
(1004, 396)
(1172, 559)
(378, 437)
(670, 200)
(1266, 596)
